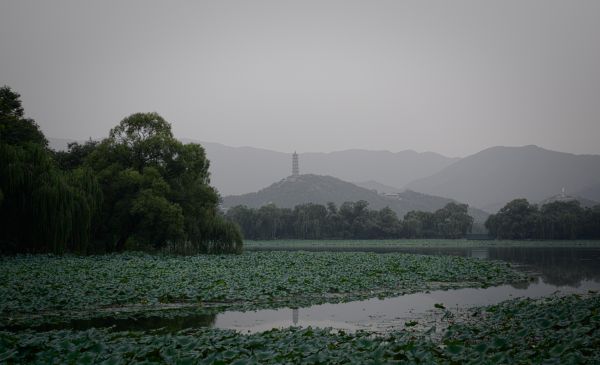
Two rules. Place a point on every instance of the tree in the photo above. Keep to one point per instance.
(43, 209)
(453, 221)
(310, 221)
(157, 192)
(418, 224)
(14, 128)
(591, 223)
(388, 225)
(561, 220)
(354, 220)
(516, 220)
(246, 219)
(75, 155)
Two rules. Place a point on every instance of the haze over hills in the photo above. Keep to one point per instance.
(320, 189)
(394, 169)
(486, 180)
(591, 192)
(492, 177)
(239, 170)
(378, 187)
(586, 203)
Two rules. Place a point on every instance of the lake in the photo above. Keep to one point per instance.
(554, 271)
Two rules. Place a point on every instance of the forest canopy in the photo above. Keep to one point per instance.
(352, 220)
(140, 188)
(520, 220)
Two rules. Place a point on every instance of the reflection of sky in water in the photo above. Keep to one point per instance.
(563, 270)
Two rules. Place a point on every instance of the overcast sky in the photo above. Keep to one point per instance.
(452, 77)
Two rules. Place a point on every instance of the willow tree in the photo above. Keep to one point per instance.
(156, 191)
(518, 220)
(42, 209)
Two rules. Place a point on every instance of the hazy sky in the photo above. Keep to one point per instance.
(447, 76)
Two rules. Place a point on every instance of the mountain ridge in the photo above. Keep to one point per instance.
(239, 170)
(486, 180)
(492, 177)
(322, 189)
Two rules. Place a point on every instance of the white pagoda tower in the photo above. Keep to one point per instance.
(295, 166)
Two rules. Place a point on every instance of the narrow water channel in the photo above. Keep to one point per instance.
(555, 271)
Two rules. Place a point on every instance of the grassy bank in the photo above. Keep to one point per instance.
(405, 243)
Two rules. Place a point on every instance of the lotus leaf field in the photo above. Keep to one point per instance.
(558, 330)
(44, 286)
(38, 292)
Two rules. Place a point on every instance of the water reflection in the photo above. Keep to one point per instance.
(480, 253)
(381, 315)
(557, 270)
(561, 269)
(556, 265)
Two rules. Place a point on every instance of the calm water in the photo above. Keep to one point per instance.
(555, 270)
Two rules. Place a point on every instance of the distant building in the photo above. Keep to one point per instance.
(295, 166)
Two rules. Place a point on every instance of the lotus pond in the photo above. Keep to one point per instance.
(419, 304)
(554, 331)
(48, 287)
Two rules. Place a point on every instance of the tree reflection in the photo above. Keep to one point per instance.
(558, 265)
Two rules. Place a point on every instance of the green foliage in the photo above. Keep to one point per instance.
(555, 220)
(453, 221)
(156, 191)
(75, 155)
(553, 331)
(353, 220)
(43, 208)
(14, 128)
(516, 220)
(68, 284)
(419, 224)
(139, 188)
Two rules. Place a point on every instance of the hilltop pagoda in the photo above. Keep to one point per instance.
(295, 166)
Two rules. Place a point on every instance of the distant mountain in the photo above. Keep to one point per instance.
(587, 203)
(486, 180)
(378, 187)
(591, 192)
(239, 170)
(492, 177)
(319, 189)
(394, 169)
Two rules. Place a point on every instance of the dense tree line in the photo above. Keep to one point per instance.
(139, 188)
(556, 220)
(352, 220)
